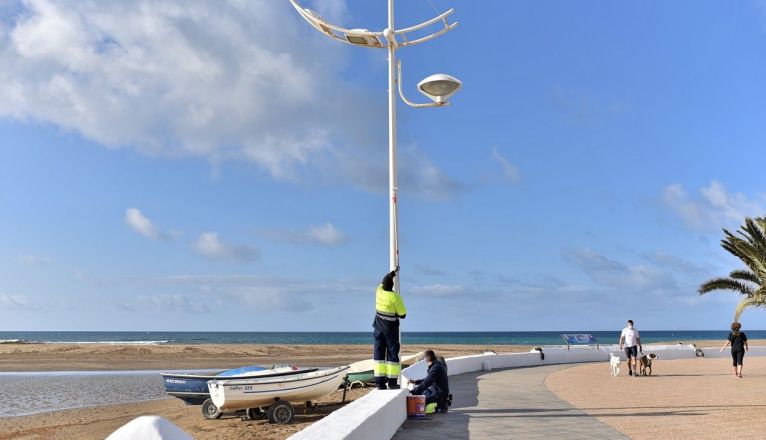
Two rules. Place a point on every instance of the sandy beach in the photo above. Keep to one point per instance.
(89, 357)
(97, 422)
(58, 357)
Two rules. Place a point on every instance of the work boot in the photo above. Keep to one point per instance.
(380, 383)
(392, 385)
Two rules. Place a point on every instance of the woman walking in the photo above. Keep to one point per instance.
(738, 341)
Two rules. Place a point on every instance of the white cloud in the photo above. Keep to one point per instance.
(426, 269)
(223, 80)
(614, 274)
(663, 259)
(332, 10)
(13, 301)
(33, 260)
(294, 295)
(440, 291)
(141, 224)
(324, 235)
(714, 207)
(167, 302)
(510, 171)
(418, 175)
(209, 245)
(170, 78)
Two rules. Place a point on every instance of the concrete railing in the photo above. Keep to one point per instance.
(715, 352)
(375, 416)
(379, 414)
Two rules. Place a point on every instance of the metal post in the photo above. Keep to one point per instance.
(392, 178)
(392, 183)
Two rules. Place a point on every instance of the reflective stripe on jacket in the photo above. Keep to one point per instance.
(389, 305)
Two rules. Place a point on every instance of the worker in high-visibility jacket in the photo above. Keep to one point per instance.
(389, 308)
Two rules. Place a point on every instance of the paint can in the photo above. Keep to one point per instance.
(416, 407)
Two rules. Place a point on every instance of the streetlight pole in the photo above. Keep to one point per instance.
(393, 215)
(437, 87)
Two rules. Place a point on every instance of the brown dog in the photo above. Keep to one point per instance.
(645, 363)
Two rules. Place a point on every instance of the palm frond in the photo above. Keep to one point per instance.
(725, 284)
(744, 304)
(748, 244)
(746, 275)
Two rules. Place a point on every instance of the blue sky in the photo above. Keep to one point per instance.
(222, 166)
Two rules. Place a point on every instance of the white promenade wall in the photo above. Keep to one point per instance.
(715, 352)
(376, 416)
(379, 414)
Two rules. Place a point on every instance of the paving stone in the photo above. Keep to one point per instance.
(513, 403)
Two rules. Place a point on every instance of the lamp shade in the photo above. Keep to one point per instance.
(439, 87)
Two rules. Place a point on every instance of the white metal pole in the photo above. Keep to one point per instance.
(392, 181)
(393, 219)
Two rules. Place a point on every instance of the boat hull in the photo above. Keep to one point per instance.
(237, 394)
(361, 376)
(192, 388)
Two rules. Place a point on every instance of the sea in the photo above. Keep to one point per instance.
(350, 338)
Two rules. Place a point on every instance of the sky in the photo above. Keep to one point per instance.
(222, 166)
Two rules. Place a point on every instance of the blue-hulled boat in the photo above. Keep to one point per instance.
(192, 388)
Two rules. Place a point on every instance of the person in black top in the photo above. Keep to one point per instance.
(738, 341)
(435, 386)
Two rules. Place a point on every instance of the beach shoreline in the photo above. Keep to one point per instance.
(125, 357)
(122, 357)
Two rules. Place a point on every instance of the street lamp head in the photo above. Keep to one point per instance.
(440, 87)
(363, 37)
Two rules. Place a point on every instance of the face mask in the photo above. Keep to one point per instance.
(630, 325)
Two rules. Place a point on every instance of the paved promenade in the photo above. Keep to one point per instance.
(512, 403)
(682, 399)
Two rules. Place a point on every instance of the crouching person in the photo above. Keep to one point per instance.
(435, 386)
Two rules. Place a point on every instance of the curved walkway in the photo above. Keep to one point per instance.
(513, 403)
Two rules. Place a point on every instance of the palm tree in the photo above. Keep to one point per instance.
(749, 245)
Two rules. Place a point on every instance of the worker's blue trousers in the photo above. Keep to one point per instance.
(386, 356)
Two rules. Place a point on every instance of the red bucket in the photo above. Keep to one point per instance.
(416, 407)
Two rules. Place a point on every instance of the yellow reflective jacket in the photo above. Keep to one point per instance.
(389, 305)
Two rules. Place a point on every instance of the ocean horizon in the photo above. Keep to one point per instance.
(349, 338)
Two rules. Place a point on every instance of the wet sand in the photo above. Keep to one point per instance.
(98, 422)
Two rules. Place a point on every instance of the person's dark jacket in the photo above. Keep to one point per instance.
(435, 379)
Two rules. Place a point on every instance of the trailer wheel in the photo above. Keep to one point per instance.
(281, 412)
(255, 413)
(210, 411)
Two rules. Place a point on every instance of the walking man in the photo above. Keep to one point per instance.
(389, 308)
(632, 343)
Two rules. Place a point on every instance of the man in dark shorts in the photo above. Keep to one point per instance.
(738, 341)
(630, 339)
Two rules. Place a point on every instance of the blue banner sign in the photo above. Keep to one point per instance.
(579, 338)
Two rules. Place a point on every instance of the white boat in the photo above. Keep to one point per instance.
(233, 394)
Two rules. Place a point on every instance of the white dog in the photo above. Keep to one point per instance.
(614, 362)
